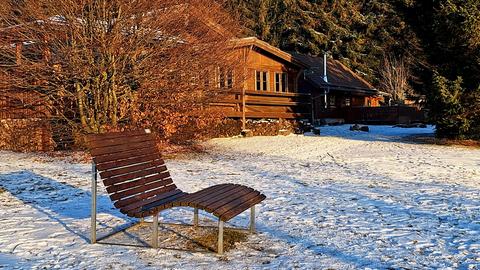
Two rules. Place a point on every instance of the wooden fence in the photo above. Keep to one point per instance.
(376, 115)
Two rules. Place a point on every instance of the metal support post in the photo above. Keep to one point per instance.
(93, 228)
(195, 217)
(155, 231)
(220, 237)
(252, 219)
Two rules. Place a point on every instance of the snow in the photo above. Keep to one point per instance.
(342, 200)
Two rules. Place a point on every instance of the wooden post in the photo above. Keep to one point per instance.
(18, 53)
(244, 119)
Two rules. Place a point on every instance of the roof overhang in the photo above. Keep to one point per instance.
(344, 88)
(253, 41)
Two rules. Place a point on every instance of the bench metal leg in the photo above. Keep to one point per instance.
(220, 237)
(93, 226)
(195, 217)
(252, 219)
(155, 231)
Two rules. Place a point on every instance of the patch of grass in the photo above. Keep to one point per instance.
(446, 142)
(209, 238)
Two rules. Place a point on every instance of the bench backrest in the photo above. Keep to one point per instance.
(131, 168)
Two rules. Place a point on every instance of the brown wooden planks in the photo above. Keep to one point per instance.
(133, 168)
(236, 202)
(149, 194)
(120, 140)
(141, 181)
(226, 200)
(162, 203)
(128, 162)
(121, 148)
(141, 203)
(125, 155)
(240, 208)
(221, 197)
(194, 200)
(134, 175)
(113, 135)
(140, 189)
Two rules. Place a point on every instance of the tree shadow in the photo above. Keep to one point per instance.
(61, 202)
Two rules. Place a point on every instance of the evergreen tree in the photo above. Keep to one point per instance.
(439, 40)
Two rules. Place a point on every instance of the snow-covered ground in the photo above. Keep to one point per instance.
(343, 200)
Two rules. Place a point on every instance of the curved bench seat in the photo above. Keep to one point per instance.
(139, 183)
(225, 201)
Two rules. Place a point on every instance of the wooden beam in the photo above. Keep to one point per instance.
(272, 115)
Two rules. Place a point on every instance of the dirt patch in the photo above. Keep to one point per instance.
(446, 142)
(181, 237)
(209, 237)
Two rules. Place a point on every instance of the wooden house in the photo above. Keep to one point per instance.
(268, 86)
(277, 84)
(333, 85)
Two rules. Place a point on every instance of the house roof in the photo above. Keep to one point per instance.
(340, 77)
(253, 41)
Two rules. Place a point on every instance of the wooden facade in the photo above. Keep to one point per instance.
(269, 85)
(276, 84)
(334, 86)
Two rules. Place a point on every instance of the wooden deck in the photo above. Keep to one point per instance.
(256, 105)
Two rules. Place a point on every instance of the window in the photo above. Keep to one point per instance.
(221, 78)
(225, 78)
(332, 101)
(348, 102)
(281, 82)
(230, 79)
(261, 81)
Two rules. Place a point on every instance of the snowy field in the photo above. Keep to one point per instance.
(343, 200)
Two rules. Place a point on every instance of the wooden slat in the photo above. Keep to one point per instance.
(204, 194)
(127, 162)
(221, 196)
(162, 203)
(227, 206)
(214, 206)
(124, 202)
(140, 189)
(132, 176)
(120, 141)
(141, 203)
(133, 168)
(207, 195)
(273, 115)
(113, 135)
(125, 155)
(240, 208)
(141, 181)
(121, 148)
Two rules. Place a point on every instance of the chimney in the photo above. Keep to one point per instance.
(325, 77)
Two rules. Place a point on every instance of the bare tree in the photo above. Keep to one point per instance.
(394, 76)
(103, 63)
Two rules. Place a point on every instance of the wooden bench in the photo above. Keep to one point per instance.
(139, 184)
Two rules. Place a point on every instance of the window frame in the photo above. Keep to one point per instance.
(281, 82)
(262, 80)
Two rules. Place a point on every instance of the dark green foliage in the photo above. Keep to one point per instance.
(440, 40)
(456, 111)
(448, 112)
